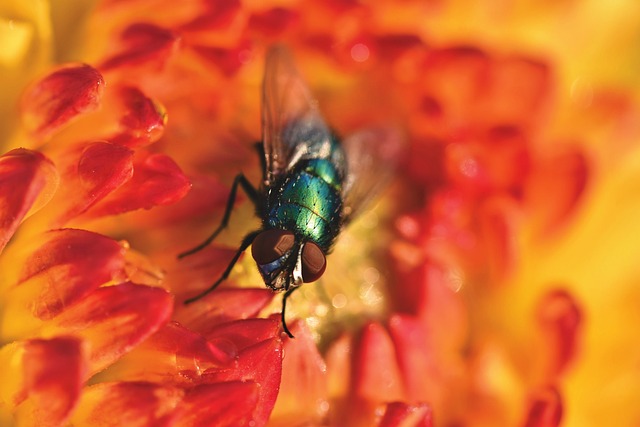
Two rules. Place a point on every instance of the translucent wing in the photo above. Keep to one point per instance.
(292, 127)
(372, 158)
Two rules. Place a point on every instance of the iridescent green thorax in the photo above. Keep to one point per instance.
(308, 202)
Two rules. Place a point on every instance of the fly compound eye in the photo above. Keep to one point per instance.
(270, 245)
(313, 262)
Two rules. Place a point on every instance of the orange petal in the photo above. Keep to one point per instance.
(67, 266)
(52, 374)
(227, 404)
(545, 408)
(134, 404)
(377, 377)
(156, 180)
(304, 373)
(114, 319)
(101, 168)
(27, 181)
(222, 306)
(61, 97)
(399, 414)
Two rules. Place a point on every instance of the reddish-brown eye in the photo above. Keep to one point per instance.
(313, 262)
(270, 245)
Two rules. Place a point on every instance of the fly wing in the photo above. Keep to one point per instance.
(372, 158)
(286, 104)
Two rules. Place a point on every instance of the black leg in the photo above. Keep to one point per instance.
(248, 189)
(284, 306)
(259, 147)
(245, 244)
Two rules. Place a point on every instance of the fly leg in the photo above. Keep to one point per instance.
(284, 306)
(243, 246)
(241, 180)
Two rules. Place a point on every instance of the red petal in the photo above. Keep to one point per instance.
(114, 319)
(377, 377)
(219, 16)
(143, 121)
(54, 372)
(545, 409)
(25, 176)
(455, 77)
(222, 306)
(399, 414)
(304, 373)
(228, 61)
(415, 355)
(157, 180)
(261, 363)
(391, 46)
(560, 318)
(70, 264)
(101, 168)
(273, 22)
(137, 404)
(143, 43)
(60, 97)
(207, 197)
(228, 404)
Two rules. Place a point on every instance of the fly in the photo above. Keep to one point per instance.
(312, 183)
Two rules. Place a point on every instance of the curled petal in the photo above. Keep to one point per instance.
(545, 408)
(556, 187)
(143, 121)
(143, 43)
(175, 355)
(261, 363)
(67, 266)
(50, 381)
(100, 169)
(27, 181)
(225, 404)
(114, 319)
(156, 180)
(61, 97)
(245, 333)
(136, 404)
(399, 414)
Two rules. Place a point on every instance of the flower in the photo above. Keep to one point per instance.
(491, 285)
